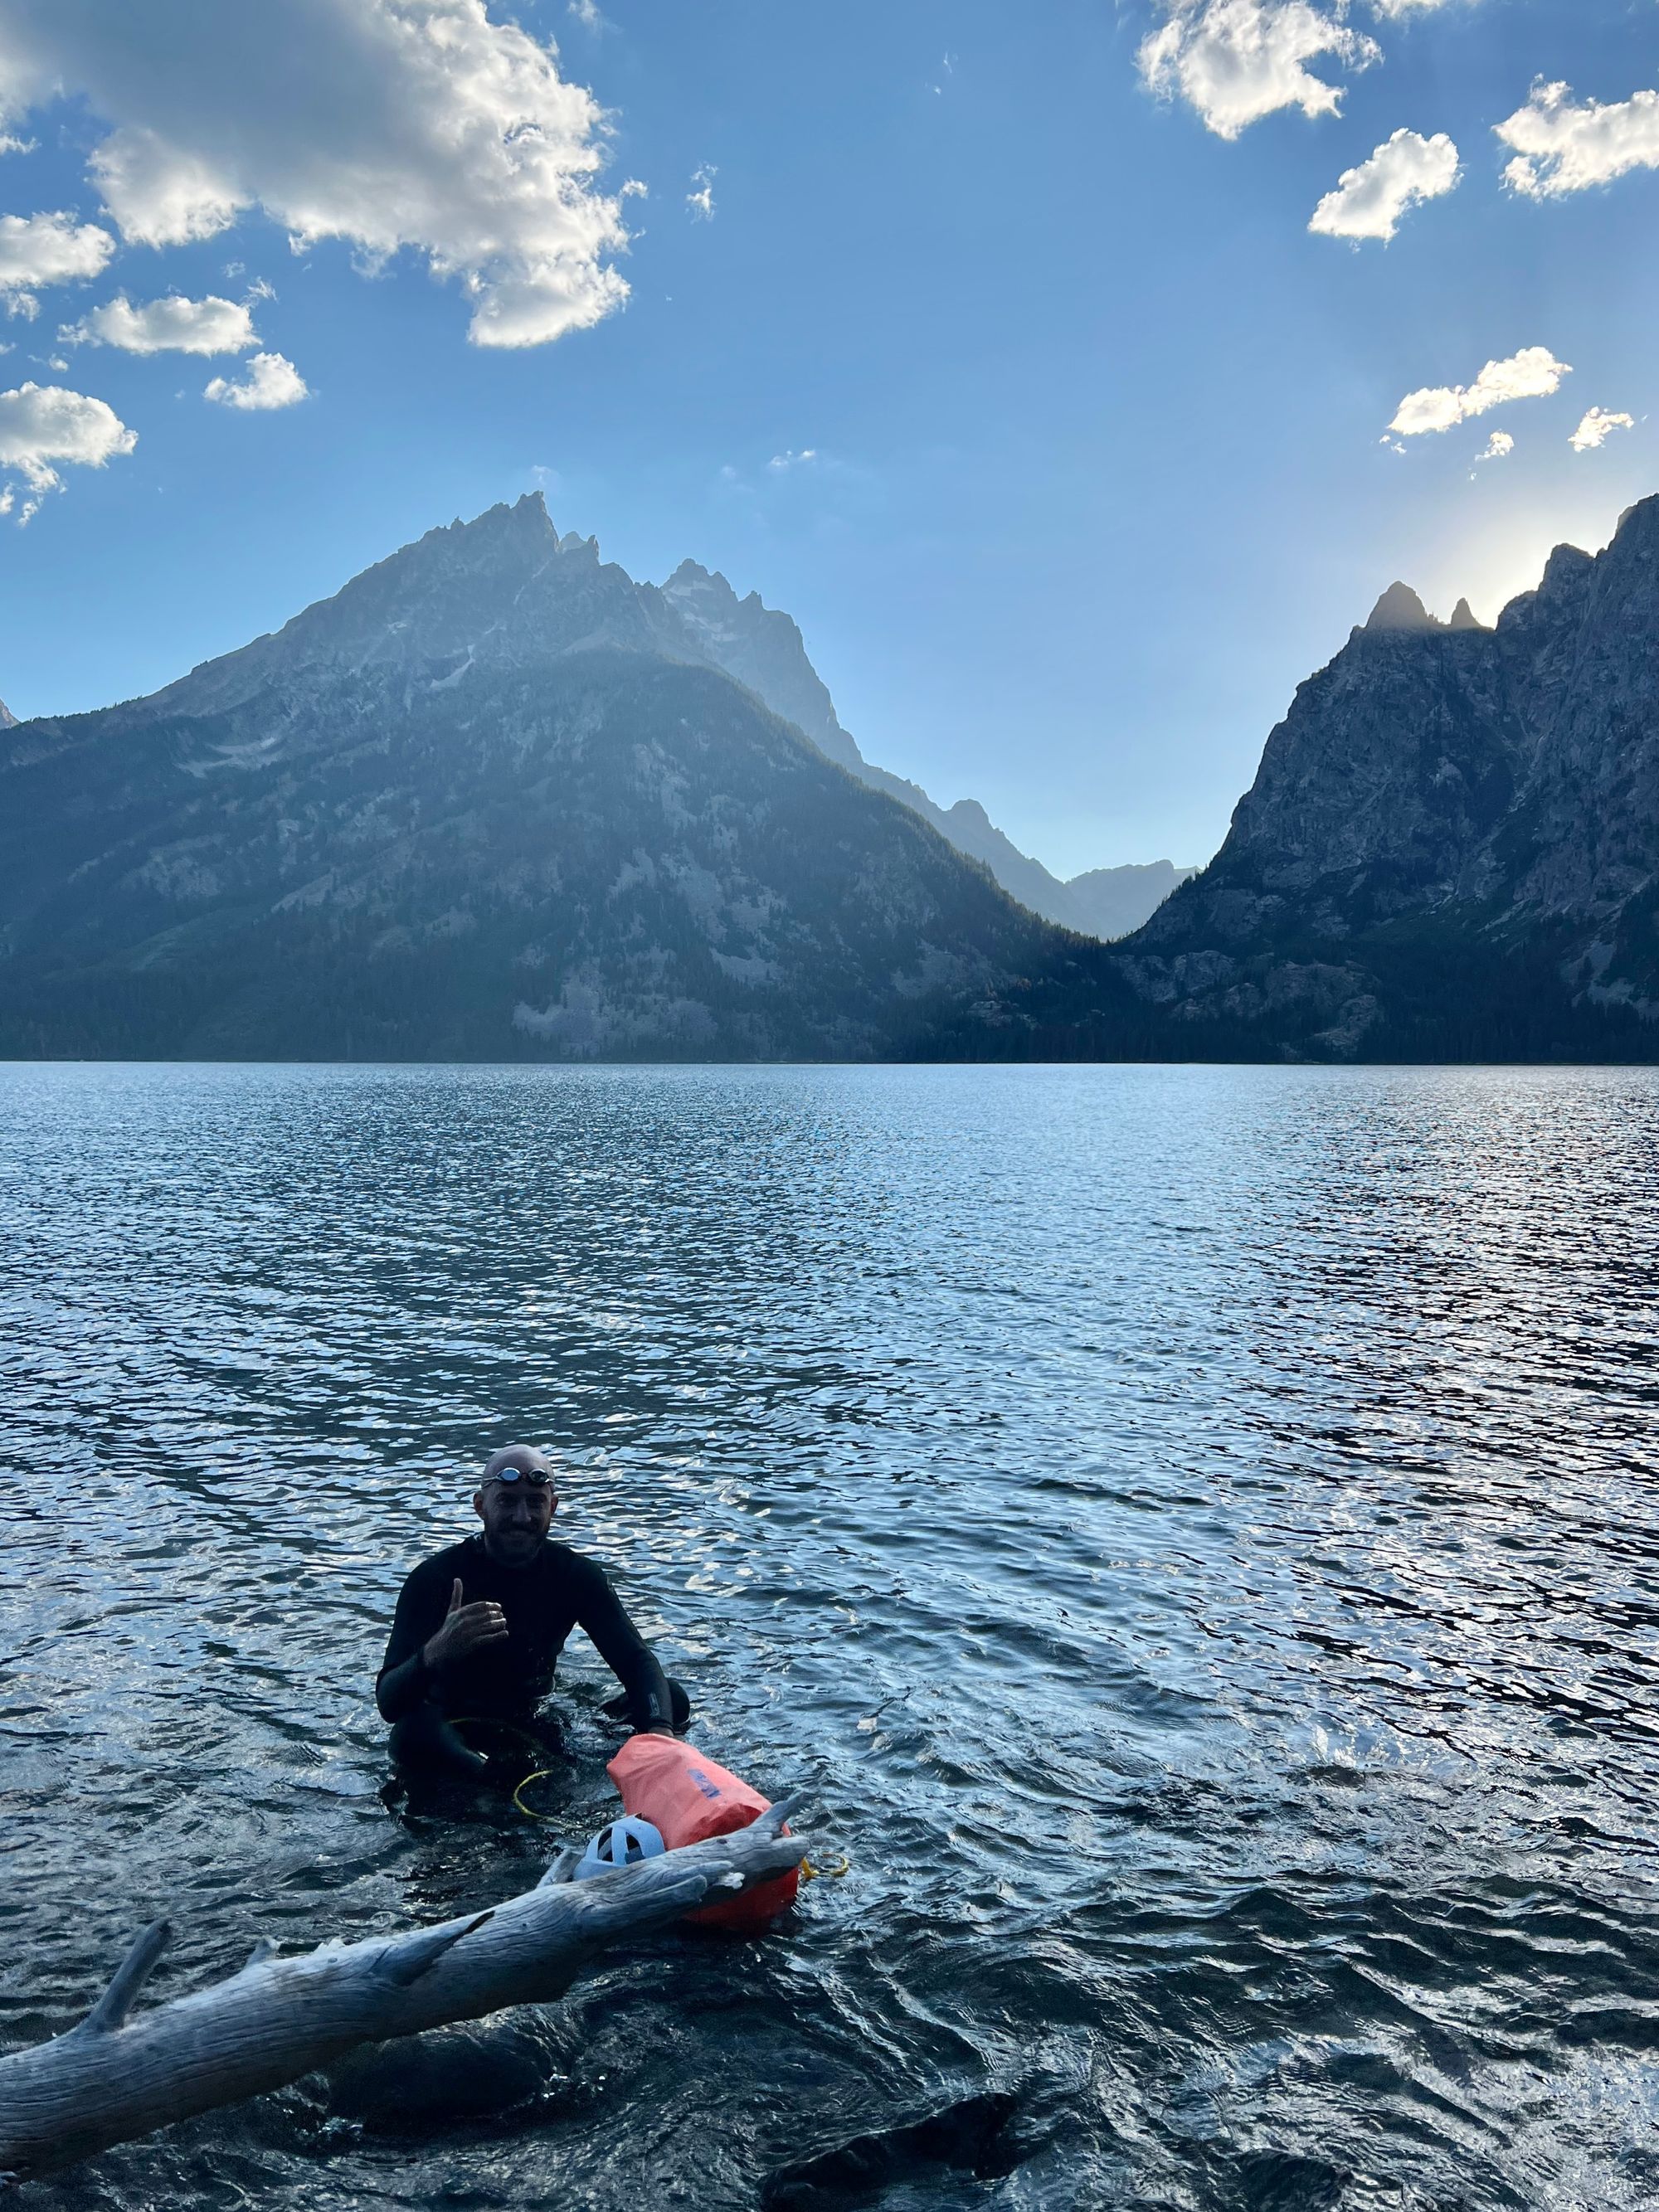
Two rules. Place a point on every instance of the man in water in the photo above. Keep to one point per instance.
(480, 1628)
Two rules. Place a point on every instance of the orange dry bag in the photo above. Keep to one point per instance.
(689, 1798)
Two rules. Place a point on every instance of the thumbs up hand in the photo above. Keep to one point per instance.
(466, 1629)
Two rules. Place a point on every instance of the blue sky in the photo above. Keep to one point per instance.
(992, 342)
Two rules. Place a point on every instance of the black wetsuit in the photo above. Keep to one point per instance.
(559, 1591)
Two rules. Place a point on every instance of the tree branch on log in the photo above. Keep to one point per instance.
(113, 2077)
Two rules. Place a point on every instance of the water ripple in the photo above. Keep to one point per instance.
(1195, 1529)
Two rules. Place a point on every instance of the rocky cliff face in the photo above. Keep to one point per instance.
(491, 800)
(1452, 848)
(762, 648)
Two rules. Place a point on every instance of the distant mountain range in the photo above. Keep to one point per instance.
(765, 650)
(1452, 848)
(494, 799)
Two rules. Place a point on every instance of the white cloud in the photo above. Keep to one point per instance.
(1598, 427)
(1404, 171)
(1497, 447)
(634, 188)
(792, 460)
(43, 425)
(271, 380)
(1235, 61)
(588, 15)
(1532, 373)
(169, 325)
(1561, 148)
(417, 125)
(700, 198)
(36, 250)
(1398, 8)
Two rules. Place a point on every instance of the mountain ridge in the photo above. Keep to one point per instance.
(764, 649)
(485, 804)
(497, 800)
(564, 593)
(1451, 845)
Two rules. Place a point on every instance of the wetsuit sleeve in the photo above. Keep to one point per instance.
(600, 1612)
(405, 1680)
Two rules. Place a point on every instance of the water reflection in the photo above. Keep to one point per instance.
(1195, 1527)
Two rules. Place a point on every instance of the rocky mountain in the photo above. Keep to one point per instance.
(495, 800)
(567, 598)
(764, 649)
(1452, 848)
(8, 719)
(1113, 902)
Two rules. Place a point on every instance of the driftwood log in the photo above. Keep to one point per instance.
(113, 2077)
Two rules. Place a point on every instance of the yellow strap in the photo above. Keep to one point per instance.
(529, 1811)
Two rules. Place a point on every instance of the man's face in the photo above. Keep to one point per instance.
(516, 1517)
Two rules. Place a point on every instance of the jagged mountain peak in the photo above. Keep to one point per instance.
(1642, 516)
(763, 647)
(519, 533)
(691, 582)
(524, 518)
(504, 588)
(1566, 565)
(692, 585)
(1450, 853)
(507, 590)
(8, 719)
(1400, 609)
(1464, 617)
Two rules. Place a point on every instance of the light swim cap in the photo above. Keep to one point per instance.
(624, 1842)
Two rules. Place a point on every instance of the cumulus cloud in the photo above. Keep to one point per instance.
(417, 126)
(271, 380)
(1404, 171)
(700, 198)
(173, 325)
(1235, 61)
(42, 426)
(1560, 148)
(1597, 427)
(792, 460)
(37, 250)
(1532, 373)
(1497, 447)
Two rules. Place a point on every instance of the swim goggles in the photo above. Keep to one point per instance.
(533, 1478)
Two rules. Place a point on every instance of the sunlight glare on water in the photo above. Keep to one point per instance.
(1193, 1529)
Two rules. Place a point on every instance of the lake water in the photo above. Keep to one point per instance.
(1194, 1529)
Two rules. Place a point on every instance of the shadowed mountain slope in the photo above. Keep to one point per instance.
(764, 649)
(1452, 848)
(487, 803)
